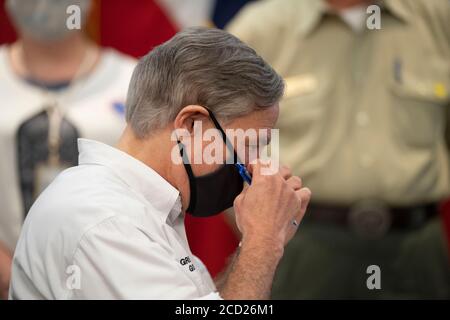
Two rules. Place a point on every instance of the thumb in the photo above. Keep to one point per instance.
(254, 169)
(238, 200)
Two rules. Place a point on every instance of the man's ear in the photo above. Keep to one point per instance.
(188, 115)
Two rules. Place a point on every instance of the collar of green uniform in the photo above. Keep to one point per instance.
(312, 12)
(396, 8)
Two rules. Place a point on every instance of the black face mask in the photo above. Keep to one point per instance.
(214, 192)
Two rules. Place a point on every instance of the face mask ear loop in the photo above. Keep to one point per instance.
(224, 137)
(192, 184)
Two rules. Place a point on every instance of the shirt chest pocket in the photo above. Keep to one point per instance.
(419, 101)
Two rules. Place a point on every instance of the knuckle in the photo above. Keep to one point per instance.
(298, 179)
(296, 182)
(237, 201)
(305, 193)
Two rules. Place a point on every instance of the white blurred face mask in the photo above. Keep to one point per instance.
(44, 20)
(355, 17)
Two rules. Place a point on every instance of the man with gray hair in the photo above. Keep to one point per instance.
(112, 227)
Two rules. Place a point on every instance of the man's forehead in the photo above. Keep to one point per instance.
(265, 118)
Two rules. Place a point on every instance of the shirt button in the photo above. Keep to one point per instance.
(366, 160)
(362, 119)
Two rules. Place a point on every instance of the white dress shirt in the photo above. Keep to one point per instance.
(110, 228)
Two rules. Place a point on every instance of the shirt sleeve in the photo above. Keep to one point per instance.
(118, 261)
(211, 296)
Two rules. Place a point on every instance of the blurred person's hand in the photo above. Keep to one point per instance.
(5, 271)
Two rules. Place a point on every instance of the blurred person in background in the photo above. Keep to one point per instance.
(55, 86)
(363, 122)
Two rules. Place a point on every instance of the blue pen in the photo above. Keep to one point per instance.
(244, 173)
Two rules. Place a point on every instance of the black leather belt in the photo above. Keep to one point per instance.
(371, 218)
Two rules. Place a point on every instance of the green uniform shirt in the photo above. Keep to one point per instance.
(365, 113)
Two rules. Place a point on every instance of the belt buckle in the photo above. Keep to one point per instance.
(370, 219)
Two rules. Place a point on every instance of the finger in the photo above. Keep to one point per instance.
(304, 194)
(285, 172)
(252, 168)
(238, 201)
(294, 182)
(257, 169)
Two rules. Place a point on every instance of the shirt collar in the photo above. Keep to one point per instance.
(395, 8)
(311, 15)
(137, 175)
(314, 10)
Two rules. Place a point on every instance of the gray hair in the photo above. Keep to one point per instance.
(199, 66)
